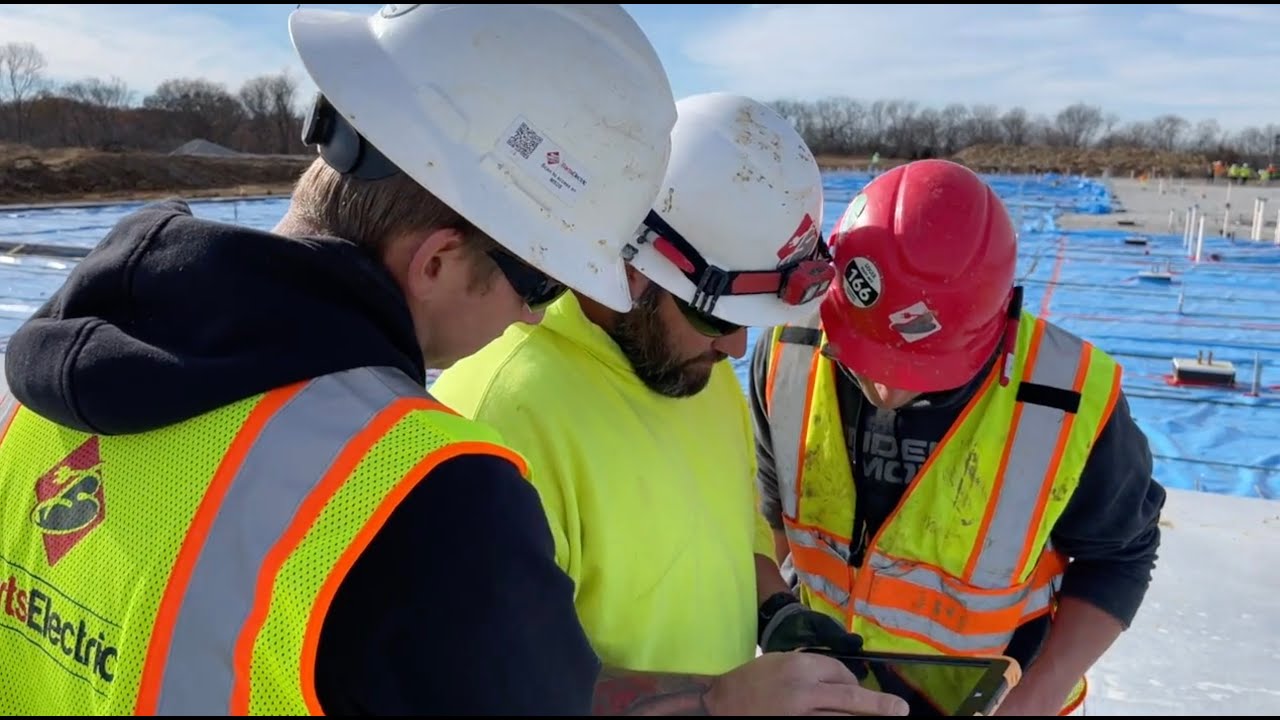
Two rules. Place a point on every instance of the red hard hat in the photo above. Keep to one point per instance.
(925, 258)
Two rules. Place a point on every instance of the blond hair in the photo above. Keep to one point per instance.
(370, 213)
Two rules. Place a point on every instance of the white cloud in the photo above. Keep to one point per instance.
(1198, 61)
(1138, 62)
(145, 45)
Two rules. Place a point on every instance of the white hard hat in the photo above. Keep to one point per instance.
(546, 126)
(736, 230)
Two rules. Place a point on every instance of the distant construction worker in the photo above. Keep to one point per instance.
(637, 431)
(948, 473)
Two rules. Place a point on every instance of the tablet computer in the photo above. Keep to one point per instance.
(936, 685)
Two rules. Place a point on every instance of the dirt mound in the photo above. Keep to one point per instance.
(1120, 162)
(28, 175)
(204, 147)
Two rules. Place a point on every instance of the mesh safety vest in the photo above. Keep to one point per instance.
(965, 558)
(188, 570)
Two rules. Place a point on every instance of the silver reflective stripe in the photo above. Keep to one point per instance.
(799, 537)
(811, 539)
(1030, 459)
(930, 580)
(821, 585)
(901, 620)
(7, 405)
(786, 413)
(1035, 598)
(289, 458)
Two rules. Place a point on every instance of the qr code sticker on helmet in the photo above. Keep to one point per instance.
(524, 141)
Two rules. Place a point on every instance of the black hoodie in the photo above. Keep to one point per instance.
(457, 605)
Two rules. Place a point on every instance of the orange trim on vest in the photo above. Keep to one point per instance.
(1055, 462)
(337, 474)
(311, 640)
(773, 373)
(1033, 352)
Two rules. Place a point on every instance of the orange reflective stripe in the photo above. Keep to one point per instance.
(311, 638)
(993, 648)
(943, 608)
(167, 614)
(820, 562)
(774, 354)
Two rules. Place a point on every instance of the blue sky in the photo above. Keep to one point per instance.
(1137, 61)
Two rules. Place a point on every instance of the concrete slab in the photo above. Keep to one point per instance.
(1207, 641)
(1144, 207)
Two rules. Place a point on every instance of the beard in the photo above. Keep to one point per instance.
(642, 337)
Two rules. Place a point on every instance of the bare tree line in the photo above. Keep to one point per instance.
(902, 129)
(101, 113)
(259, 118)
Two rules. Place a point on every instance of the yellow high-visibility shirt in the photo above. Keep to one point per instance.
(651, 499)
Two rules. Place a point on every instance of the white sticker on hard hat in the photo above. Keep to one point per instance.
(544, 160)
(915, 323)
(862, 282)
(852, 213)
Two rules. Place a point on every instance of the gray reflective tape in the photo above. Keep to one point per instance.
(7, 406)
(821, 585)
(931, 580)
(903, 621)
(284, 465)
(787, 416)
(1030, 460)
(817, 541)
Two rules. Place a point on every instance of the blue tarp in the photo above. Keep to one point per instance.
(1222, 440)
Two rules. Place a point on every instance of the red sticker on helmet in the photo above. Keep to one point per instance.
(862, 282)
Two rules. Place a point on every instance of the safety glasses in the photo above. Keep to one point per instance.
(536, 288)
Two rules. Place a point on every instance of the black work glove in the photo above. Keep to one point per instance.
(786, 624)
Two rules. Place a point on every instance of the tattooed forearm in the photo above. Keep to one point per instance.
(620, 692)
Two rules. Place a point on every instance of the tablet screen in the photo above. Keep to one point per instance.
(939, 686)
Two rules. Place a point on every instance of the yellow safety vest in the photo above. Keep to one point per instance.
(188, 570)
(965, 558)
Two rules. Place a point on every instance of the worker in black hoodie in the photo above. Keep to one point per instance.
(223, 486)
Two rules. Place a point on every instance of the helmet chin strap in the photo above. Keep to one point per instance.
(1010, 342)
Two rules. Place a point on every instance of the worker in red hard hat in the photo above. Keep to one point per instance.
(946, 472)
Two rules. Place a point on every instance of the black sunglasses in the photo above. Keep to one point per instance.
(536, 288)
(705, 323)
